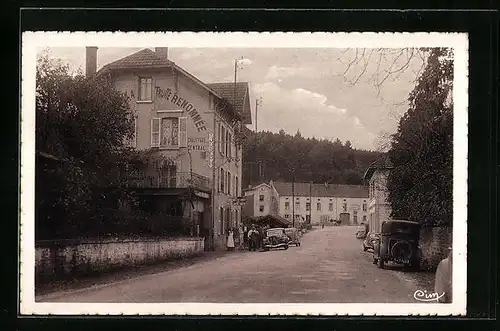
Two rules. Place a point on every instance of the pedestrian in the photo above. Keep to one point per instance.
(443, 283)
(253, 236)
(250, 235)
(230, 240)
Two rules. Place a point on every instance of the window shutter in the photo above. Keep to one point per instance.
(155, 132)
(182, 131)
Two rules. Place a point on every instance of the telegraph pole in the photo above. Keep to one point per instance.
(310, 202)
(293, 198)
(258, 102)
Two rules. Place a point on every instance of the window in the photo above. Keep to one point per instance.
(211, 102)
(287, 216)
(330, 206)
(318, 206)
(228, 183)
(308, 218)
(355, 219)
(229, 145)
(219, 137)
(221, 220)
(287, 205)
(261, 208)
(145, 89)
(226, 143)
(308, 206)
(364, 218)
(364, 206)
(261, 197)
(237, 187)
(169, 132)
(222, 180)
(222, 140)
(297, 206)
(344, 206)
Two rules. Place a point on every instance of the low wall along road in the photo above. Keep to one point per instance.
(69, 258)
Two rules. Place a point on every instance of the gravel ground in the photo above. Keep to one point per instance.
(328, 267)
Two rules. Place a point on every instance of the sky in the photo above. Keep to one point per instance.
(312, 90)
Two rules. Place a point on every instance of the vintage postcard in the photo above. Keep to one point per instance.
(243, 173)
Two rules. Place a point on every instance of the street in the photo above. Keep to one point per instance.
(328, 267)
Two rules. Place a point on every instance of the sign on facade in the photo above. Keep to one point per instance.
(210, 150)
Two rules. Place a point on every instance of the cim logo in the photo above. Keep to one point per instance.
(425, 296)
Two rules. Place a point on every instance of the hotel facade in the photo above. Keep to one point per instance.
(192, 132)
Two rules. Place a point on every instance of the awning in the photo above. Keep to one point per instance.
(274, 221)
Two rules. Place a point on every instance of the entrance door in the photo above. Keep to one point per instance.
(344, 218)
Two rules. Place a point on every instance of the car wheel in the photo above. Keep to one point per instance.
(381, 263)
(375, 261)
(286, 247)
(364, 247)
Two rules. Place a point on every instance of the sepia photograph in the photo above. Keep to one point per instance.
(244, 173)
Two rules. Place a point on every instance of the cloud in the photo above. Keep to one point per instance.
(310, 112)
(245, 62)
(275, 72)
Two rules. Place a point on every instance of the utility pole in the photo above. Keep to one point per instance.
(293, 198)
(310, 202)
(258, 102)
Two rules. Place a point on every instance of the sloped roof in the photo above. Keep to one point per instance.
(272, 220)
(235, 94)
(321, 190)
(384, 162)
(145, 58)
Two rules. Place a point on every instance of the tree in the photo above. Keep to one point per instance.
(83, 123)
(420, 184)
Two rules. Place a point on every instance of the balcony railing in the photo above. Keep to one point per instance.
(179, 180)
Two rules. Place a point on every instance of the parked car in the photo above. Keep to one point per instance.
(294, 236)
(361, 232)
(275, 238)
(399, 243)
(369, 242)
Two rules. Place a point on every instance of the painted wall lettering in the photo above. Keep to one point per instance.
(184, 104)
(197, 144)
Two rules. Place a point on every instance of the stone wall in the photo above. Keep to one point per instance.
(70, 258)
(434, 242)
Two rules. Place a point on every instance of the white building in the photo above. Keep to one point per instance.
(261, 200)
(322, 203)
(379, 207)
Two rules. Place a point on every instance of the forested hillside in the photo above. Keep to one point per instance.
(274, 156)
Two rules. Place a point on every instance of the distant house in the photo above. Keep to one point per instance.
(379, 207)
(262, 200)
(322, 203)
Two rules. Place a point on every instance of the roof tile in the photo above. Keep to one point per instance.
(142, 58)
(322, 190)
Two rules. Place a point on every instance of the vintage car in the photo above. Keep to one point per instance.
(398, 242)
(275, 238)
(294, 236)
(361, 232)
(369, 241)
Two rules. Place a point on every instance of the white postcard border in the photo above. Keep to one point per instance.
(33, 41)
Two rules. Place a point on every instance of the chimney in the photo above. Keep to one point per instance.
(90, 60)
(162, 52)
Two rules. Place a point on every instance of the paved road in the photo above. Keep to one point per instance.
(329, 267)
